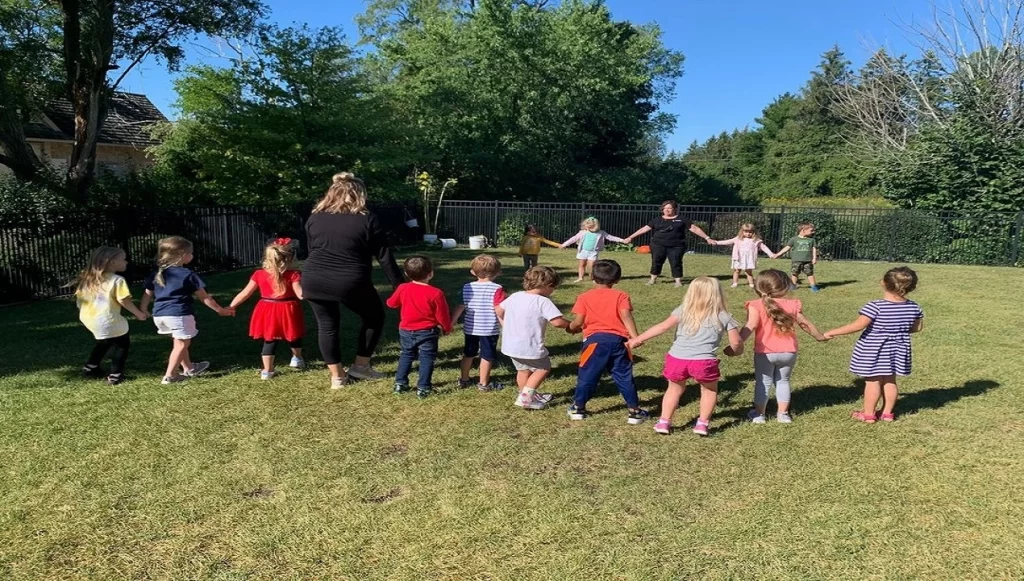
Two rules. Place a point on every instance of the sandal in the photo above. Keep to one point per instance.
(863, 417)
(888, 417)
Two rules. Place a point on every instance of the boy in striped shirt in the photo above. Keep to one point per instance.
(481, 325)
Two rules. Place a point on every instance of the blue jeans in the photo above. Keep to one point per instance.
(421, 345)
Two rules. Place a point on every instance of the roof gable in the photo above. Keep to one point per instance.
(129, 118)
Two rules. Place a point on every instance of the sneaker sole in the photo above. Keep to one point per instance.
(634, 422)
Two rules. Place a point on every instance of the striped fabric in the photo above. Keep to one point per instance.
(884, 347)
(480, 298)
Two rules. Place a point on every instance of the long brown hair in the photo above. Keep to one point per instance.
(773, 284)
(277, 259)
(170, 252)
(347, 195)
(91, 277)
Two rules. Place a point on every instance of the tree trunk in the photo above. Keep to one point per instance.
(15, 152)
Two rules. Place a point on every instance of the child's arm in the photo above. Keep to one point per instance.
(459, 310)
(626, 315)
(211, 302)
(500, 313)
(297, 289)
(859, 324)
(147, 297)
(444, 318)
(663, 327)
(735, 347)
(244, 294)
(550, 243)
(395, 300)
(814, 254)
(560, 322)
(615, 238)
(809, 327)
(764, 248)
(728, 242)
(576, 325)
(129, 305)
(918, 326)
(572, 240)
(751, 326)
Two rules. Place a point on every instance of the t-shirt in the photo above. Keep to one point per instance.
(480, 297)
(266, 283)
(767, 338)
(801, 249)
(704, 343)
(174, 297)
(341, 250)
(601, 308)
(670, 233)
(421, 307)
(589, 241)
(100, 311)
(526, 319)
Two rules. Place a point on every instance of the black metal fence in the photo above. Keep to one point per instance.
(873, 234)
(41, 253)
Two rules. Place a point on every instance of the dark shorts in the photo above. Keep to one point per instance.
(803, 267)
(485, 347)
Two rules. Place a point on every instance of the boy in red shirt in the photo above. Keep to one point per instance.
(423, 316)
(605, 316)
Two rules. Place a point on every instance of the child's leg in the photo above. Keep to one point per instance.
(764, 377)
(784, 364)
(670, 401)
(119, 354)
(795, 279)
(593, 362)
(735, 277)
(535, 378)
(708, 400)
(467, 367)
(872, 393)
(750, 276)
(268, 355)
(296, 347)
(582, 268)
(621, 367)
(405, 359)
(811, 280)
(590, 265)
(179, 354)
(427, 356)
(522, 378)
(485, 371)
(99, 351)
(890, 391)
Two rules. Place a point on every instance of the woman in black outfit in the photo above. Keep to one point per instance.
(669, 240)
(343, 239)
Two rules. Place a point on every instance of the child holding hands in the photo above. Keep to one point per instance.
(590, 241)
(423, 316)
(745, 247)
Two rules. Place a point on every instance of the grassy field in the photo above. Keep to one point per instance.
(227, 477)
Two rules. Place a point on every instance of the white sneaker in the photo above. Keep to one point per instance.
(784, 418)
(297, 363)
(545, 397)
(365, 372)
(734, 285)
(338, 382)
(755, 417)
(265, 375)
(536, 403)
(198, 368)
(169, 379)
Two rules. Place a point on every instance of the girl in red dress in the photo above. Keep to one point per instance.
(278, 315)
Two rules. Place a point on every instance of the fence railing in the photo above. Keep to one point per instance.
(41, 253)
(874, 234)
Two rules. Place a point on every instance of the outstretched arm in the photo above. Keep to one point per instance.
(859, 324)
(728, 242)
(244, 294)
(809, 327)
(147, 297)
(550, 243)
(576, 325)
(696, 230)
(572, 240)
(129, 305)
(560, 322)
(639, 232)
(615, 238)
(212, 303)
(663, 327)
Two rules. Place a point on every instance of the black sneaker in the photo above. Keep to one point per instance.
(492, 386)
(423, 393)
(637, 416)
(93, 372)
(115, 379)
(464, 383)
(400, 388)
(576, 413)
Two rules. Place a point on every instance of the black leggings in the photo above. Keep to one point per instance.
(674, 255)
(118, 347)
(270, 347)
(362, 300)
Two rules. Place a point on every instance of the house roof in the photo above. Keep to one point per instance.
(129, 118)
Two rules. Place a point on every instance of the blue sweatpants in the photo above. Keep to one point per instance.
(605, 352)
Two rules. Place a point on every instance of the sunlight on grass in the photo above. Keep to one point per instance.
(228, 477)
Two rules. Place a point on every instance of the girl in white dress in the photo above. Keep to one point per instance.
(744, 253)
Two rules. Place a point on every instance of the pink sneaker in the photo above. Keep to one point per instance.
(663, 426)
(701, 428)
(888, 417)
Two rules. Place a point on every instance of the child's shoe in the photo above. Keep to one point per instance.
(297, 363)
(400, 388)
(338, 382)
(663, 426)
(198, 368)
(784, 418)
(755, 417)
(701, 428)
(423, 393)
(544, 397)
(531, 400)
(815, 288)
(495, 386)
(115, 378)
(169, 379)
(578, 280)
(636, 417)
(365, 372)
(267, 375)
(888, 417)
(679, 284)
(93, 372)
(464, 383)
(576, 413)
(734, 285)
(863, 417)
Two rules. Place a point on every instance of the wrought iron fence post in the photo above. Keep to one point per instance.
(1015, 252)
(496, 224)
(781, 230)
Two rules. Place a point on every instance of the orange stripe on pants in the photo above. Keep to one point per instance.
(588, 351)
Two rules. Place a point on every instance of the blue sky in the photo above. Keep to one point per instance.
(740, 54)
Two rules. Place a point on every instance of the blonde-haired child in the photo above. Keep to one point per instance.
(529, 248)
(481, 327)
(278, 315)
(699, 324)
(590, 240)
(773, 319)
(171, 288)
(883, 351)
(744, 252)
(99, 294)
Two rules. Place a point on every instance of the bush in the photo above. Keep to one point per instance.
(898, 236)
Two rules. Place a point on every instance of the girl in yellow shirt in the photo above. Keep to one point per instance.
(529, 249)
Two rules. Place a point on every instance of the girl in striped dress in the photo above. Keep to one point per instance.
(883, 351)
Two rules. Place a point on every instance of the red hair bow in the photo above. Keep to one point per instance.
(283, 241)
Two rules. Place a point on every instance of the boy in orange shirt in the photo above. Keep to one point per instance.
(605, 317)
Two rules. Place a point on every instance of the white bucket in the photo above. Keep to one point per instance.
(412, 222)
(448, 243)
(430, 238)
(477, 242)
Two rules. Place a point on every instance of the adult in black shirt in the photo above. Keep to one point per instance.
(668, 241)
(343, 240)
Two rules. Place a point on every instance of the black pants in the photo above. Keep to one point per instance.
(118, 348)
(674, 255)
(270, 347)
(529, 261)
(364, 301)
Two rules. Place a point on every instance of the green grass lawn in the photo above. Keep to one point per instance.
(227, 477)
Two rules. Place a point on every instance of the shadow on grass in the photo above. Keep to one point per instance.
(938, 397)
(835, 283)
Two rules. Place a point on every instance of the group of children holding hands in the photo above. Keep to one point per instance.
(603, 315)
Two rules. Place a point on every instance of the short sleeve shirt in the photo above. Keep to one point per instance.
(702, 344)
(480, 298)
(174, 297)
(601, 307)
(100, 311)
(767, 338)
(526, 319)
(263, 279)
(669, 233)
(801, 249)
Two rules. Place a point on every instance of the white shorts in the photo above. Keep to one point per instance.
(521, 364)
(177, 327)
(586, 255)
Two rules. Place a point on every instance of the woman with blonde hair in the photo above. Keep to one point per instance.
(344, 238)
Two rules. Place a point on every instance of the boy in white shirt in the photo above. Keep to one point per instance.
(525, 316)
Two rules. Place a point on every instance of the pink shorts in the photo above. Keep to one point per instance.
(700, 370)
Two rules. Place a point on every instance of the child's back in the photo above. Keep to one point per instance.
(480, 298)
(602, 308)
(767, 336)
(701, 343)
(173, 297)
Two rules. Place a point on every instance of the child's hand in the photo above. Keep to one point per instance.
(143, 316)
(226, 312)
(728, 351)
(828, 336)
